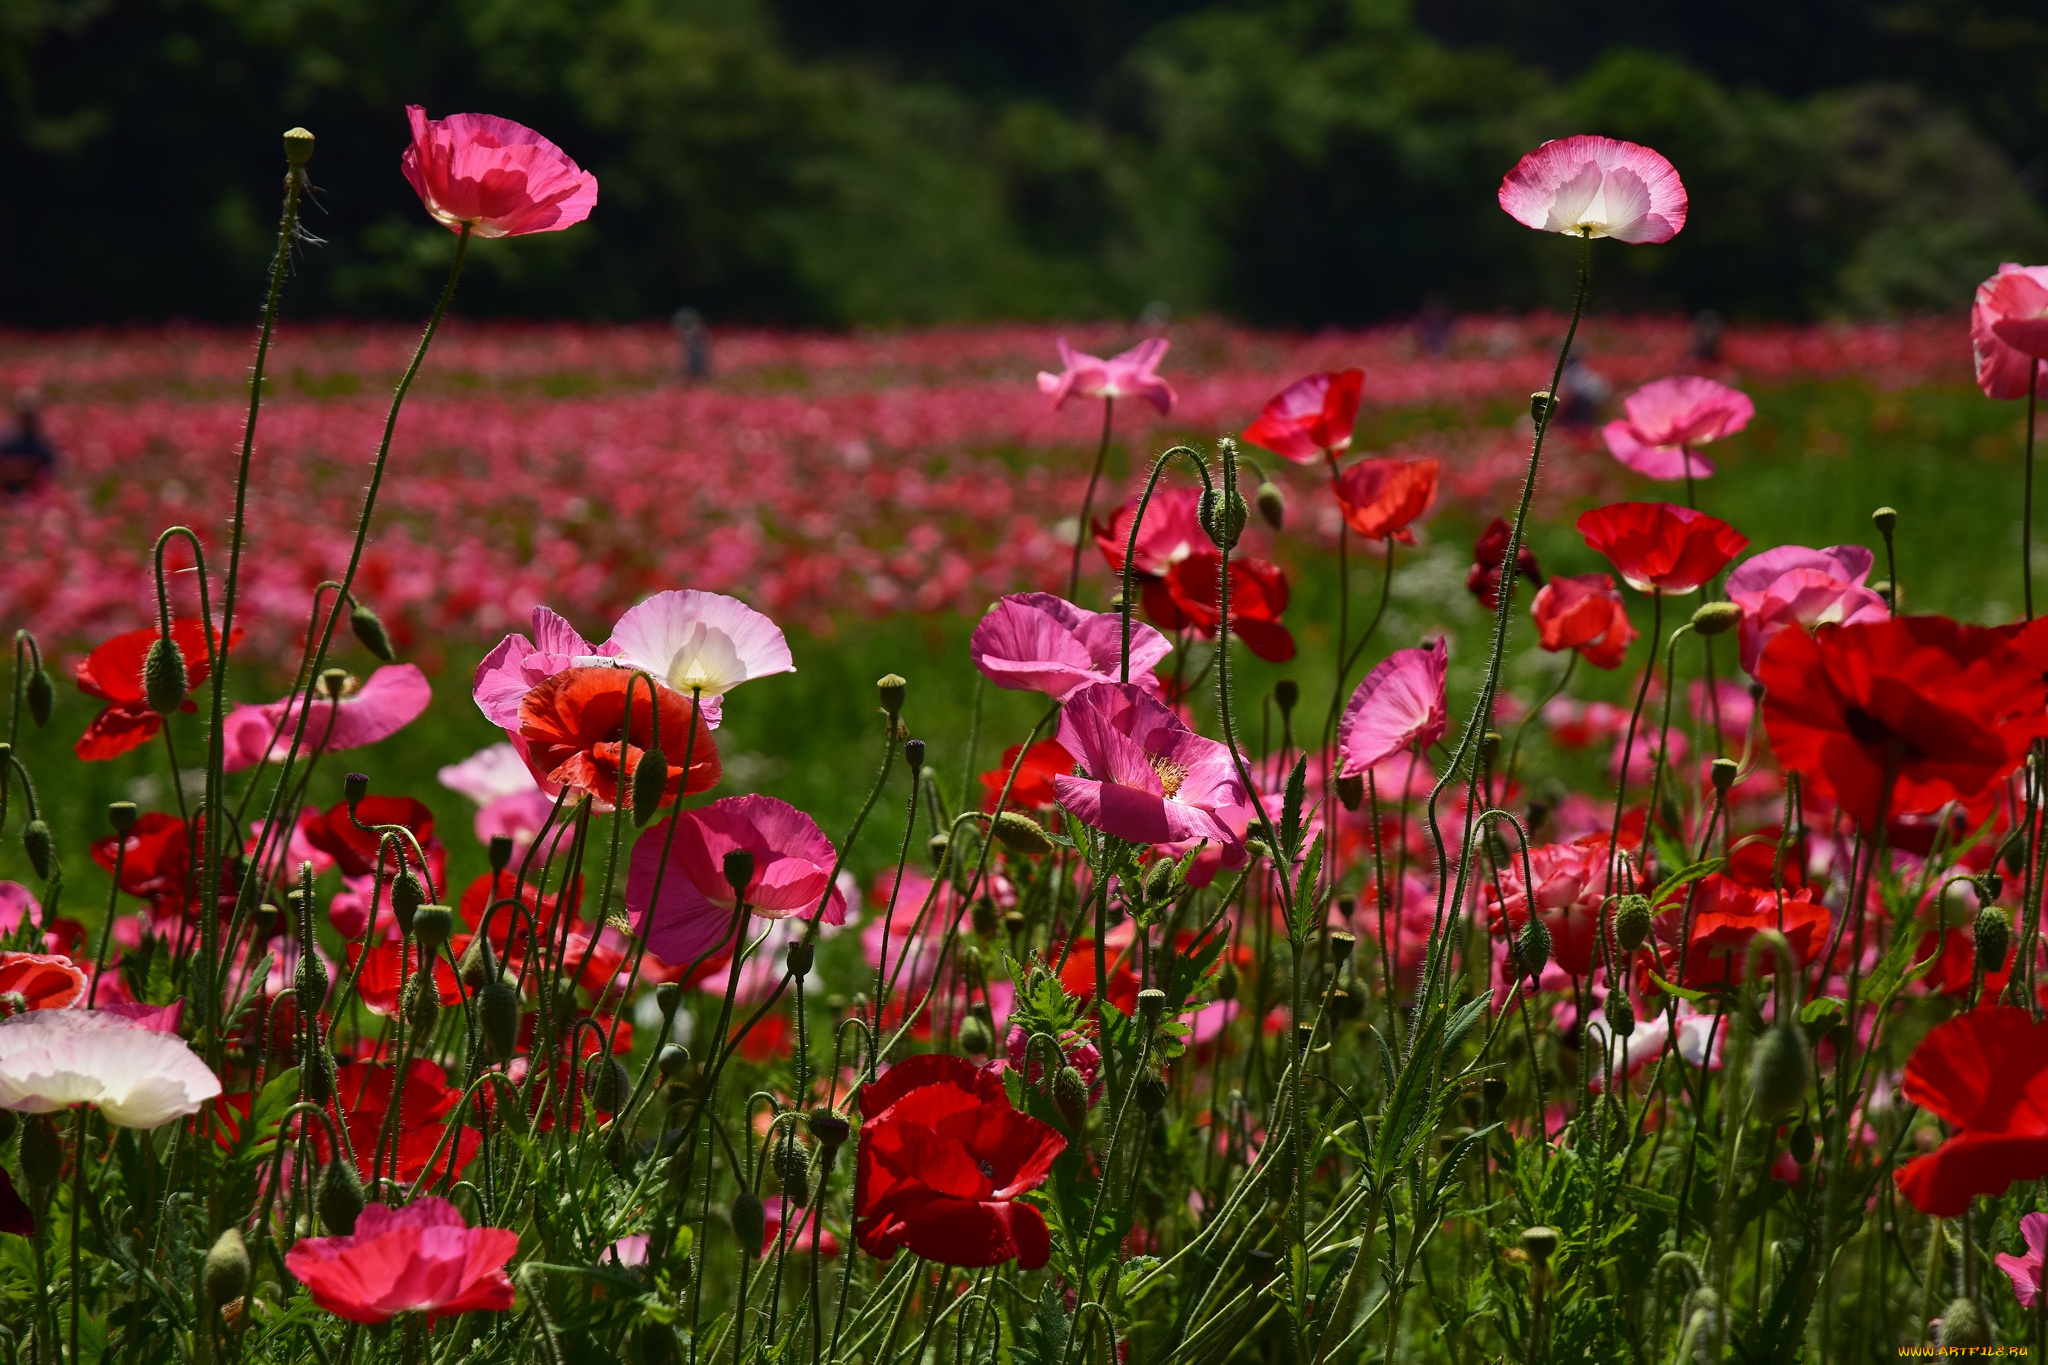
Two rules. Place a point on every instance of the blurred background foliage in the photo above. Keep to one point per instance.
(1296, 162)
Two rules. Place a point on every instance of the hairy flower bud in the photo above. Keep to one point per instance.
(42, 1152)
(354, 787)
(226, 1272)
(891, 687)
(793, 1168)
(369, 629)
(1222, 515)
(408, 894)
(1159, 879)
(41, 695)
(164, 681)
(829, 1128)
(974, 1036)
(1533, 946)
(40, 846)
(650, 785)
(1621, 1015)
(422, 1000)
(1994, 938)
(1716, 618)
(672, 1061)
(1272, 504)
(749, 1223)
(605, 1082)
(1963, 1326)
(1779, 1073)
(1070, 1096)
(298, 147)
(310, 981)
(498, 1010)
(339, 1199)
(913, 754)
(1632, 921)
(1020, 833)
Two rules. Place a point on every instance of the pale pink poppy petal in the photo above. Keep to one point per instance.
(702, 643)
(1598, 187)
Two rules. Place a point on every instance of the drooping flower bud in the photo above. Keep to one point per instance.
(339, 1200)
(793, 1167)
(1716, 618)
(605, 1082)
(1963, 1326)
(936, 846)
(164, 681)
(1632, 916)
(41, 695)
(40, 846)
(1272, 504)
(749, 1223)
(1779, 1073)
(1800, 1144)
(369, 629)
(1621, 1015)
(1070, 1096)
(498, 1010)
(408, 894)
(1994, 938)
(1020, 833)
(1533, 946)
(1226, 981)
(226, 1272)
(650, 785)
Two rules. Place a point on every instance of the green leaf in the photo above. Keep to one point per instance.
(1649, 1199)
(259, 1130)
(1290, 809)
(1682, 992)
(1041, 1338)
(1669, 888)
(1822, 1012)
(1307, 908)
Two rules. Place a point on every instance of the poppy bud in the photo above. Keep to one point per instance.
(316, 1075)
(673, 1060)
(913, 754)
(650, 785)
(1779, 1073)
(1963, 1326)
(42, 695)
(739, 871)
(163, 677)
(1884, 519)
(1493, 1092)
(298, 147)
(42, 1152)
(354, 787)
(497, 1009)
(936, 846)
(829, 1128)
(1151, 1096)
(1632, 921)
(975, 1040)
(1020, 833)
(1533, 943)
(407, 896)
(226, 1273)
(802, 954)
(1539, 1243)
(1226, 981)
(1272, 504)
(122, 816)
(1341, 945)
(1800, 1144)
(1716, 618)
(478, 963)
(431, 925)
(1286, 693)
(982, 914)
(310, 982)
(793, 1165)
(1222, 515)
(1988, 887)
(749, 1223)
(1151, 1004)
(891, 686)
(1994, 938)
(339, 1200)
(1621, 1015)
(422, 1000)
(605, 1082)
(38, 844)
(1723, 772)
(1351, 791)
(1159, 879)
(1070, 1096)
(1489, 748)
(1539, 404)
(369, 629)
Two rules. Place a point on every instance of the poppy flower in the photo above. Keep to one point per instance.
(380, 985)
(509, 800)
(1258, 596)
(1668, 417)
(392, 698)
(421, 1258)
(518, 664)
(792, 860)
(2027, 1272)
(1726, 916)
(113, 673)
(1034, 641)
(1901, 715)
(1589, 186)
(1033, 788)
(1571, 883)
(1172, 530)
(2009, 330)
(362, 1101)
(571, 727)
(497, 177)
(1795, 586)
(1659, 547)
(15, 1214)
(42, 981)
(1310, 418)
(1488, 554)
(1399, 708)
(1584, 612)
(942, 1160)
(700, 643)
(1146, 778)
(155, 857)
(355, 851)
(1382, 498)
(1986, 1073)
(135, 1077)
(1129, 375)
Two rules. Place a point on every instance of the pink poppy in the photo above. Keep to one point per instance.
(422, 1258)
(792, 869)
(1571, 880)
(1149, 778)
(1311, 417)
(1399, 707)
(1795, 586)
(1667, 418)
(1172, 531)
(135, 1077)
(701, 643)
(500, 178)
(510, 802)
(1129, 375)
(153, 1018)
(1596, 187)
(2009, 329)
(1034, 641)
(2026, 1272)
(518, 665)
(392, 698)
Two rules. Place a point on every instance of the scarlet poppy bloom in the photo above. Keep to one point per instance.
(1726, 916)
(1659, 547)
(379, 983)
(1488, 554)
(1033, 788)
(355, 850)
(113, 673)
(1129, 375)
(156, 862)
(1571, 881)
(1310, 418)
(2009, 330)
(792, 872)
(943, 1158)
(1586, 613)
(1668, 417)
(1258, 595)
(571, 727)
(1381, 498)
(1036, 641)
(363, 1099)
(42, 981)
(1903, 715)
(1986, 1073)
(1145, 776)
(497, 177)
(1398, 708)
(422, 1258)
(1596, 187)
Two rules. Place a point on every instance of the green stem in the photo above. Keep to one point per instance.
(1088, 498)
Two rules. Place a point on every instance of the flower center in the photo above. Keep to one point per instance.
(1171, 775)
(987, 1167)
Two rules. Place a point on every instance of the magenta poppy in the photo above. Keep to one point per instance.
(1129, 375)
(1034, 641)
(1668, 417)
(1399, 708)
(1146, 778)
(393, 697)
(422, 1258)
(2009, 330)
(1795, 586)
(1310, 418)
(494, 176)
(793, 863)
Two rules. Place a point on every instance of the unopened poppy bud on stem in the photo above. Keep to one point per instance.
(1632, 921)
(650, 784)
(1070, 1096)
(42, 695)
(975, 1039)
(370, 632)
(1020, 833)
(1272, 504)
(749, 1222)
(164, 677)
(605, 1082)
(1963, 1326)
(1533, 945)
(354, 787)
(1993, 935)
(226, 1273)
(40, 846)
(913, 754)
(1779, 1073)
(498, 1011)
(1621, 1015)
(1716, 618)
(408, 894)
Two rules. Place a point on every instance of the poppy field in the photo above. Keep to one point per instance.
(1503, 838)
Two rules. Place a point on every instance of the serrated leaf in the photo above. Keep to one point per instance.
(1649, 1199)
(1290, 809)
(1307, 909)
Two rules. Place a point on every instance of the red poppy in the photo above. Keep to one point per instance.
(1986, 1073)
(1311, 417)
(355, 850)
(1381, 498)
(1258, 595)
(419, 1258)
(43, 981)
(942, 1159)
(1033, 788)
(380, 985)
(1483, 582)
(1726, 916)
(113, 673)
(571, 728)
(1172, 530)
(363, 1099)
(1659, 547)
(1586, 613)
(1901, 715)
(156, 862)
